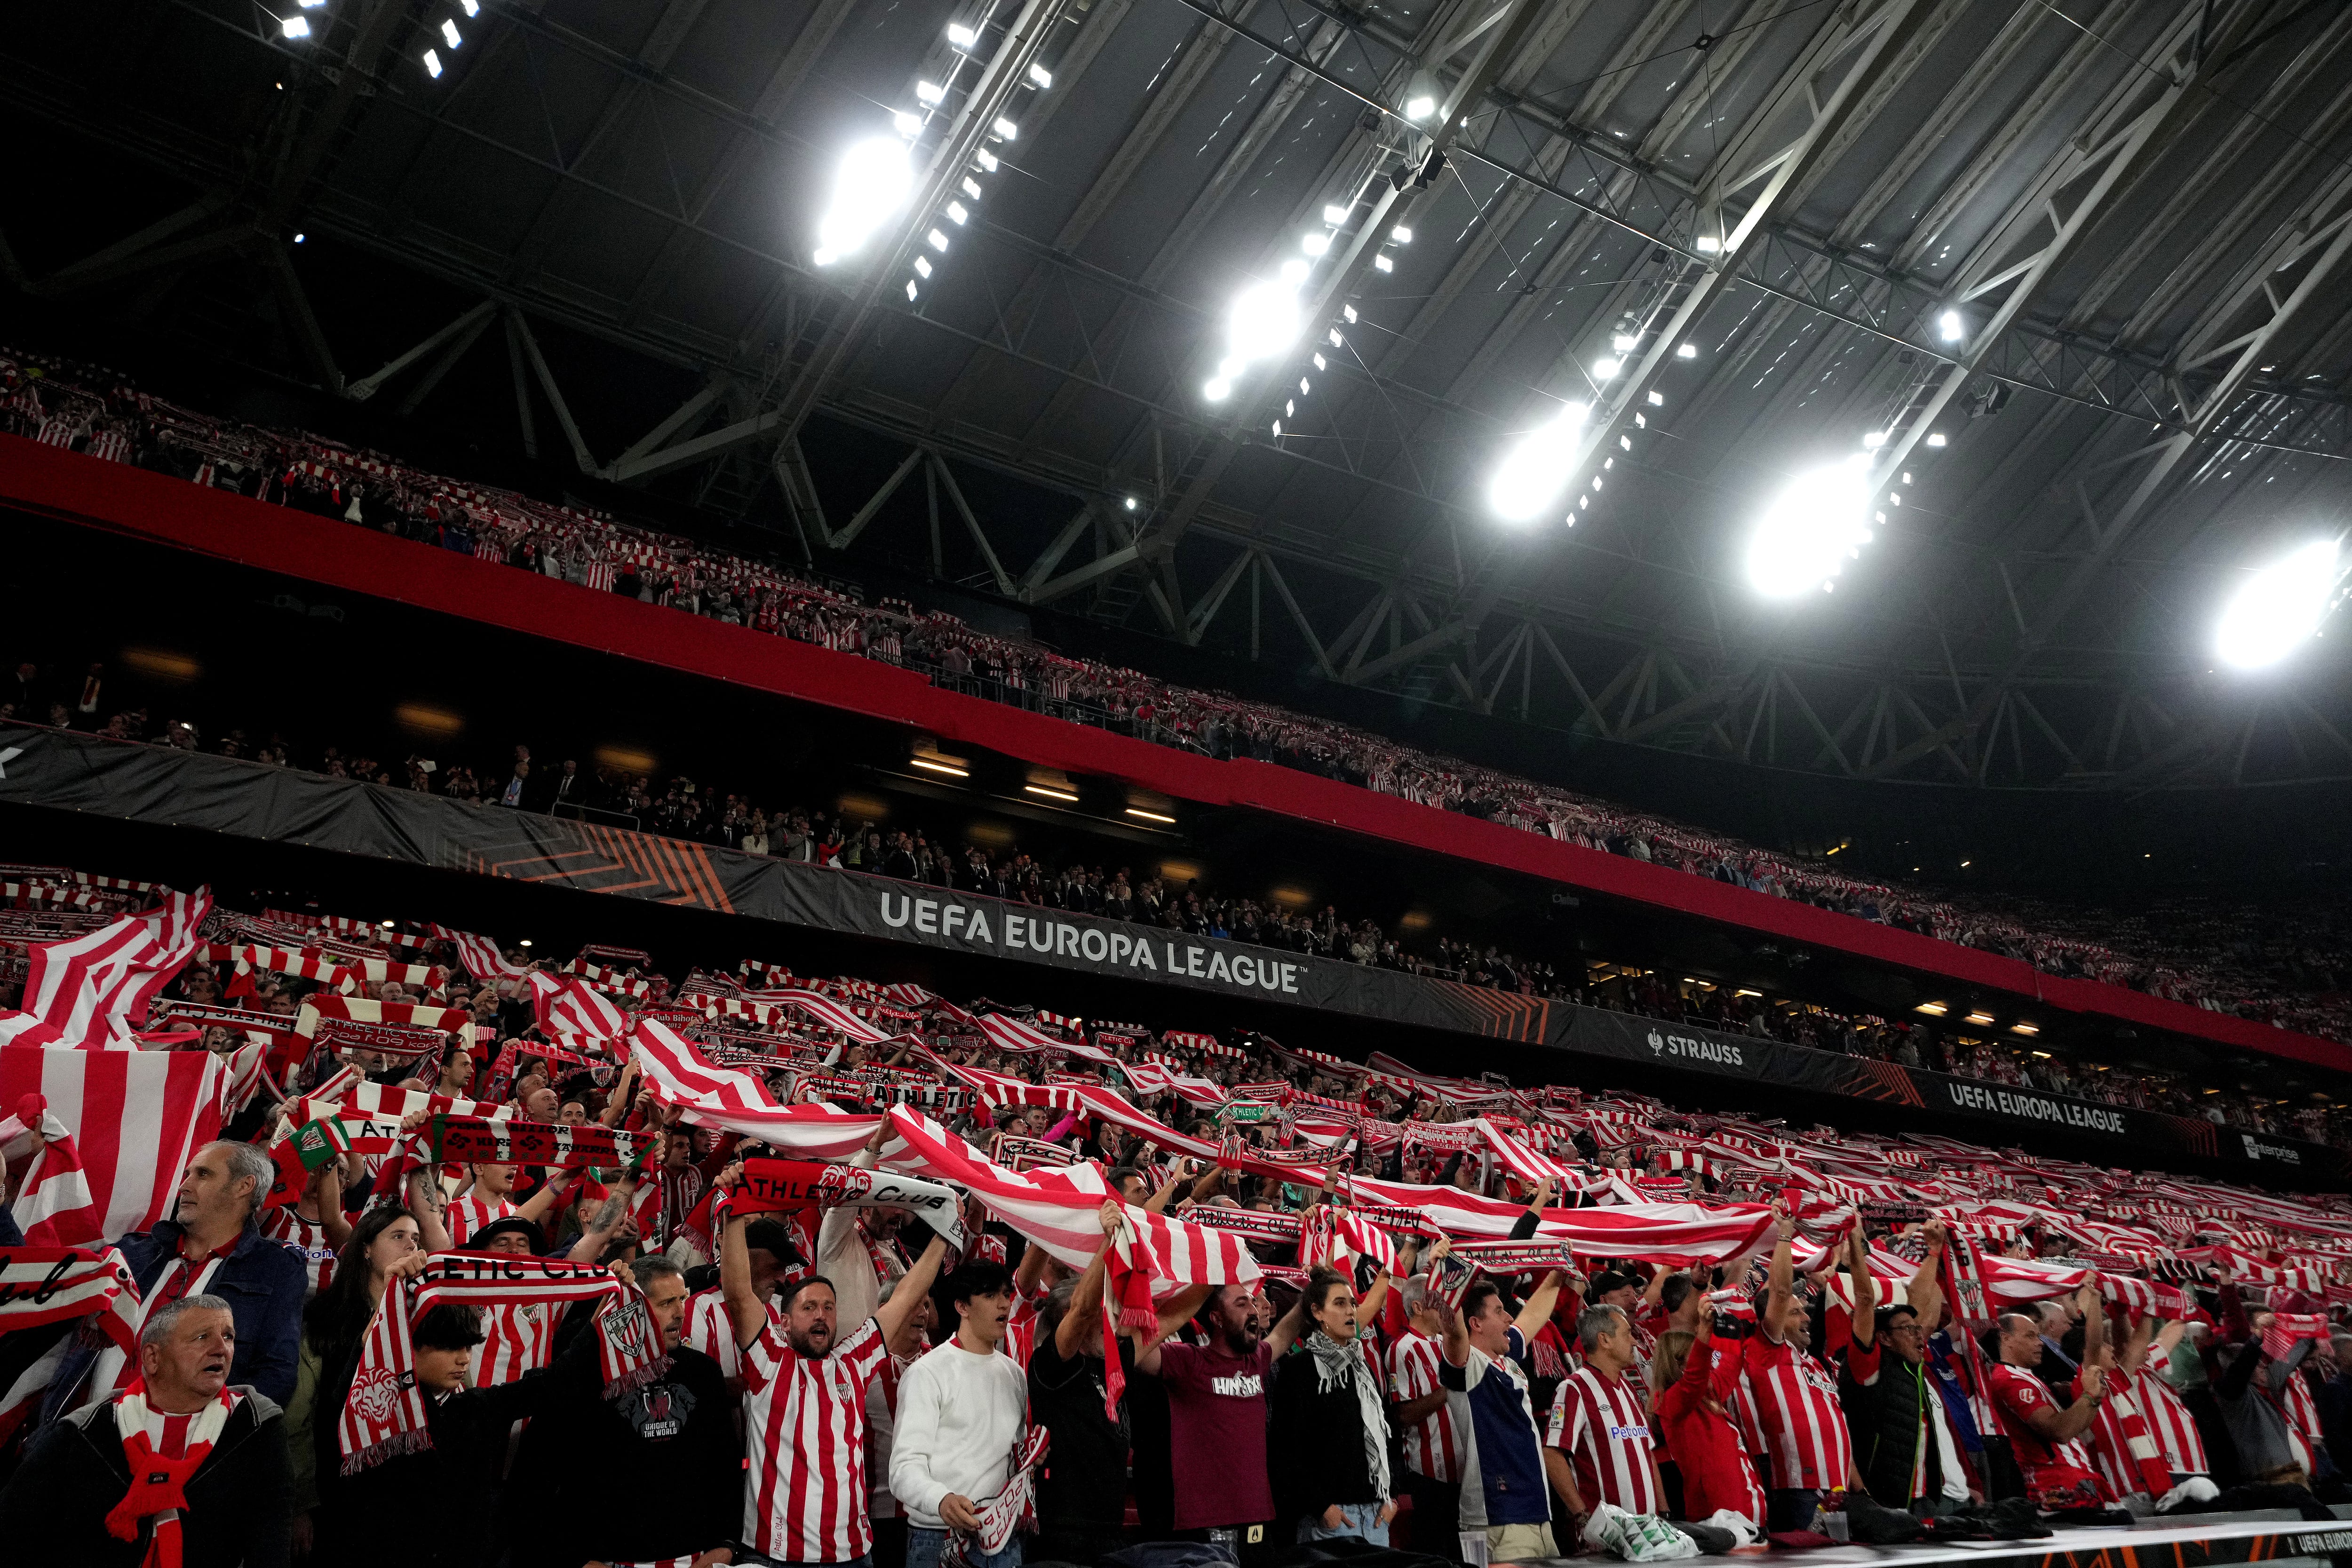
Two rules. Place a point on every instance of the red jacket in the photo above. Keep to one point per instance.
(1715, 1470)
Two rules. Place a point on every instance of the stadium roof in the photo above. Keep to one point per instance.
(2076, 266)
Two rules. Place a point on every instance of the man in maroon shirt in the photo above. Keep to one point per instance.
(1216, 1421)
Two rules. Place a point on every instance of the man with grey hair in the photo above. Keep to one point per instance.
(180, 1466)
(211, 1246)
(1599, 1448)
(1433, 1445)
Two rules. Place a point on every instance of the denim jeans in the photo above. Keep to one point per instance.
(925, 1546)
(1360, 1518)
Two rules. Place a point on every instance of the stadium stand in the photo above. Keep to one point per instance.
(92, 411)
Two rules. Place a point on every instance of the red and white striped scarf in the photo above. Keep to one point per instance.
(384, 1415)
(159, 1480)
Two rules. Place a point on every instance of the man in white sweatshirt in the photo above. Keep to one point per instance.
(960, 1410)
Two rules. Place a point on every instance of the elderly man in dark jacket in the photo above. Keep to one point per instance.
(182, 1463)
(212, 1246)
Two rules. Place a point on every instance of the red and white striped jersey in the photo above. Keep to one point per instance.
(2129, 1458)
(711, 1329)
(2169, 1422)
(804, 1420)
(1432, 1447)
(516, 1338)
(306, 1236)
(1602, 1425)
(1805, 1439)
(468, 1215)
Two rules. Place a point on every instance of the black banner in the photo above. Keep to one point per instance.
(147, 784)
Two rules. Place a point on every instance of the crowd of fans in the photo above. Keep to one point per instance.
(2296, 982)
(682, 808)
(854, 1365)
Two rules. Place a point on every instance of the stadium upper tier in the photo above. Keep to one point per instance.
(378, 527)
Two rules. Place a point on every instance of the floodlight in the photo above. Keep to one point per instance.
(1686, 350)
(937, 240)
(2280, 608)
(1336, 215)
(1347, 314)
(1315, 244)
(1950, 328)
(871, 183)
(1420, 108)
(1535, 471)
(906, 124)
(956, 213)
(1336, 340)
(1873, 439)
(928, 92)
(1319, 363)
(471, 7)
(910, 291)
(1624, 342)
(986, 160)
(1130, 503)
(923, 266)
(299, 27)
(1263, 322)
(1383, 264)
(448, 31)
(1401, 235)
(1803, 540)
(1217, 390)
(970, 187)
(1040, 75)
(1293, 271)
(431, 64)
(1302, 387)
(1708, 244)
(1603, 369)
(1005, 130)
(1657, 400)
(961, 36)
(1936, 438)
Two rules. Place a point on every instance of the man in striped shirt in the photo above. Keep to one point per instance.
(2169, 1419)
(1433, 1445)
(1600, 1449)
(804, 1404)
(1806, 1448)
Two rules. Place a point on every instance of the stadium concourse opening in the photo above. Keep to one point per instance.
(1154, 785)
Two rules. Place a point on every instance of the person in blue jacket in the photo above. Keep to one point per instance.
(211, 1246)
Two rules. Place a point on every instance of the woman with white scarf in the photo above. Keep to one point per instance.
(1327, 1438)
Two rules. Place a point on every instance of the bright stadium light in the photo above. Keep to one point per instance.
(1533, 473)
(299, 27)
(1261, 323)
(871, 184)
(1804, 538)
(961, 36)
(1420, 108)
(2280, 608)
(1336, 215)
(1040, 75)
(1950, 328)
(450, 31)
(1315, 244)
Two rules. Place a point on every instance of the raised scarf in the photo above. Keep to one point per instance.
(384, 1415)
(1339, 1362)
(159, 1484)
